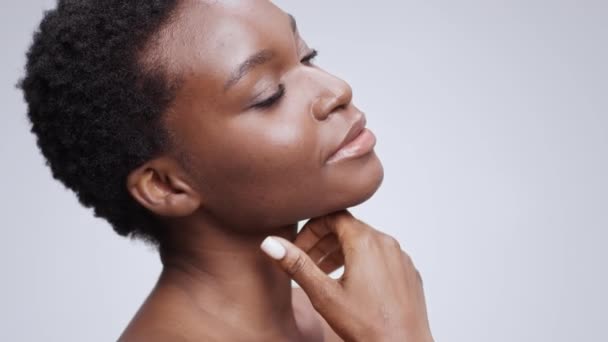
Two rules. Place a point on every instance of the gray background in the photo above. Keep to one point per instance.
(492, 119)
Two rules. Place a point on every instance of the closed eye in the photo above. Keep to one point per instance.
(274, 98)
(309, 57)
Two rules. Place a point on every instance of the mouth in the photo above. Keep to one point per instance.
(357, 142)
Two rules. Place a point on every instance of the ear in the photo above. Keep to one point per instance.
(162, 187)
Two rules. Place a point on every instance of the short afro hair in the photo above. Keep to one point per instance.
(95, 108)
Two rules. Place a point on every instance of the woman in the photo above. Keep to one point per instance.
(203, 127)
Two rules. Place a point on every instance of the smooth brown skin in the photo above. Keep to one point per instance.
(236, 173)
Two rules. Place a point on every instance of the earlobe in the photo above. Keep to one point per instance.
(159, 187)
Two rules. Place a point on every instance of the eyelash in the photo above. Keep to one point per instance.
(310, 57)
(272, 100)
(269, 102)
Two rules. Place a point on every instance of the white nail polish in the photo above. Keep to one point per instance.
(273, 248)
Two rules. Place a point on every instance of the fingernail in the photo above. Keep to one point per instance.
(273, 248)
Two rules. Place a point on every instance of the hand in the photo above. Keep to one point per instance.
(378, 298)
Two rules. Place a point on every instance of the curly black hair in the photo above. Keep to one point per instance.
(95, 107)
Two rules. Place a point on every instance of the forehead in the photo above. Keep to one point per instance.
(208, 39)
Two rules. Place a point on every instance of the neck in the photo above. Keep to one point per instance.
(228, 277)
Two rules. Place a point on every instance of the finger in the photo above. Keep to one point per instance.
(419, 277)
(327, 254)
(332, 262)
(319, 287)
(318, 227)
(310, 235)
(348, 231)
(323, 247)
(408, 263)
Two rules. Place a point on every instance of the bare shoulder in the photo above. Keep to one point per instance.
(166, 317)
(302, 304)
(143, 333)
(145, 327)
(148, 325)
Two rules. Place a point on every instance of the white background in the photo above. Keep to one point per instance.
(492, 120)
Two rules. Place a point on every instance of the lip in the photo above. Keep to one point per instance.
(357, 142)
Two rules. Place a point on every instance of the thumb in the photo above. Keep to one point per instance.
(320, 288)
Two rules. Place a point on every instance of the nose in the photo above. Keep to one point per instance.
(334, 94)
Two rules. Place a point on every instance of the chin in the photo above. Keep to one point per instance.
(350, 184)
(360, 184)
(371, 182)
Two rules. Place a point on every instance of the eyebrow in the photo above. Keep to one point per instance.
(254, 60)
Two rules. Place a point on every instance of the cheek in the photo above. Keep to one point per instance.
(264, 171)
(258, 156)
(276, 147)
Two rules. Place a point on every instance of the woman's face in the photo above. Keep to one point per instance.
(255, 123)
